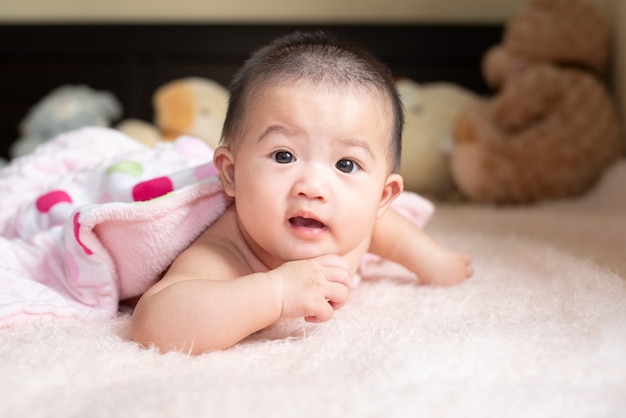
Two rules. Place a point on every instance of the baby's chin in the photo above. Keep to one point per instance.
(305, 254)
(278, 258)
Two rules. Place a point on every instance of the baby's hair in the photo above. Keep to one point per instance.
(316, 57)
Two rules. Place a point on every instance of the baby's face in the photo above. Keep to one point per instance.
(311, 170)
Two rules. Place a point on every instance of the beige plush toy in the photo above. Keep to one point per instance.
(430, 111)
(190, 106)
(552, 128)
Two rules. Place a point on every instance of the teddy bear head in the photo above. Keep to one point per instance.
(192, 106)
(64, 109)
(561, 32)
(430, 110)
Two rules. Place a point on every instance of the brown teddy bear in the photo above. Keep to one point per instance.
(552, 129)
(192, 106)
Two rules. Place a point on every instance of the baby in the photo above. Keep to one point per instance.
(310, 150)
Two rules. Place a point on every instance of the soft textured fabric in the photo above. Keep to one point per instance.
(94, 217)
(539, 331)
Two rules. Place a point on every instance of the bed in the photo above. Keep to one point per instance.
(540, 330)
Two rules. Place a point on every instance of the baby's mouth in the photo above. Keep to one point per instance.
(303, 222)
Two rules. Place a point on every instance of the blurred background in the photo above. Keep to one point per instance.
(477, 13)
(291, 11)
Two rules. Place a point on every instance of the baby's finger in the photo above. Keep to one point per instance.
(322, 314)
(340, 276)
(333, 261)
(336, 294)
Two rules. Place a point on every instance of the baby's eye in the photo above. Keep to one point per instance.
(347, 166)
(283, 157)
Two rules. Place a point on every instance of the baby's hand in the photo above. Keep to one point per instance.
(313, 288)
(445, 267)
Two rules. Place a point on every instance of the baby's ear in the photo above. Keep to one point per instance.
(224, 162)
(393, 187)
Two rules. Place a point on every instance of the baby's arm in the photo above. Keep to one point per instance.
(396, 238)
(188, 311)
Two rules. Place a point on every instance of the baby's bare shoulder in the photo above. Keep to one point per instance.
(213, 255)
(216, 254)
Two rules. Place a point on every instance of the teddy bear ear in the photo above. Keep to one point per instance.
(109, 105)
(497, 66)
(409, 92)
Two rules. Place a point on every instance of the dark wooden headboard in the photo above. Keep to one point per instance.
(132, 60)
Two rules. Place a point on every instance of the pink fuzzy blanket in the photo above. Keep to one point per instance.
(539, 331)
(93, 217)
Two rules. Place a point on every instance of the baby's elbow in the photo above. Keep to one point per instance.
(143, 329)
(150, 330)
(153, 328)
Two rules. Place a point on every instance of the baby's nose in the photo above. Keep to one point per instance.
(311, 184)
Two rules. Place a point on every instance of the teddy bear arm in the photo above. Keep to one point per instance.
(527, 100)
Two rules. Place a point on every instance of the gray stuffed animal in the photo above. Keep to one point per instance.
(64, 109)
